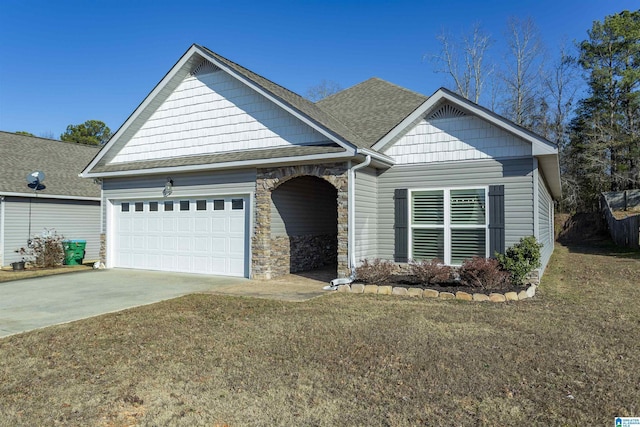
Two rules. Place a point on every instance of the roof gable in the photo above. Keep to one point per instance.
(448, 135)
(372, 108)
(544, 150)
(60, 161)
(210, 112)
(296, 106)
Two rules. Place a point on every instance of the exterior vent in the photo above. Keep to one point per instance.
(447, 111)
(205, 67)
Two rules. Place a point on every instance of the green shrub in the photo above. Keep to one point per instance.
(521, 259)
(377, 272)
(483, 273)
(431, 272)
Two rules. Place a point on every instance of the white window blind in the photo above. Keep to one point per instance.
(449, 224)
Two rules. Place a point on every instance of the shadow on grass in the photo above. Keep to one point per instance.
(587, 233)
(602, 247)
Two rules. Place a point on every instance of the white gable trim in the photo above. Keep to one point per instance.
(539, 146)
(142, 107)
(181, 68)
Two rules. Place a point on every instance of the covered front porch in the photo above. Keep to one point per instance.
(301, 218)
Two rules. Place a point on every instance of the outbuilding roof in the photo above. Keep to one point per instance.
(60, 161)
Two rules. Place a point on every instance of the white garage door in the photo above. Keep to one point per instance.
(201, 235)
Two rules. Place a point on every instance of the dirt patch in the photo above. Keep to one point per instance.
(581, 228)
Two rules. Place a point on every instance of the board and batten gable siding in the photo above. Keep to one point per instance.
(73, 219)
(214, 113)
(545, 218)
(456, 139)
(366, 214)
(304, 206)
(515, 174)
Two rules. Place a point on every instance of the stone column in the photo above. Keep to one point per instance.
(103, 248)
(343, 230)
(261, 242)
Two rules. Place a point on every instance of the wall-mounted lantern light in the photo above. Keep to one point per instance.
(168, 188)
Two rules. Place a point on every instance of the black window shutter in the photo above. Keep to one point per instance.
(496, 219)
(401, 227)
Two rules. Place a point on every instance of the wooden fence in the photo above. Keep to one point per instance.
(624, 232)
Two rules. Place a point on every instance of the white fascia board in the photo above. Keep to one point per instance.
(333, 137)
(540, 146)
(226, 165)
(376, 156)
(550, 167)
(131, 119)
(48, 196)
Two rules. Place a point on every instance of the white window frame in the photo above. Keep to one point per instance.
(447, 219)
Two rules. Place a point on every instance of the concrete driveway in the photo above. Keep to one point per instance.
(35, 303)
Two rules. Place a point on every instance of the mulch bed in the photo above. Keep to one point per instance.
(407, 281)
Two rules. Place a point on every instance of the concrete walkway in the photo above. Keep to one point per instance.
(35, 303)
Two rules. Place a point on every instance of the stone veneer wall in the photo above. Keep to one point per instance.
(293, 254)
(309, 252)
(103, 248)
(270, 258)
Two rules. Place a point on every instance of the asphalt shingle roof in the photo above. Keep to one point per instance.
(234, 156)
(60, 161)
(372, 108)
(360, 115)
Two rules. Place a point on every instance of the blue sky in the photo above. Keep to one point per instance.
(64, 62)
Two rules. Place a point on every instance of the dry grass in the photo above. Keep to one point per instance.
(7, 274)
(568, 357)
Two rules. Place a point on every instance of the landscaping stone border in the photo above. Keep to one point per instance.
(359, 288)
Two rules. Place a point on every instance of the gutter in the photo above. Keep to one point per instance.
(48, 196)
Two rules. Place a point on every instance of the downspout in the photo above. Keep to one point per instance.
(2, 219)
(351, 221)
(351, 213)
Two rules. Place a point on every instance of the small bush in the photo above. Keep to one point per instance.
(483, 273)
(431, 272)
(44, 251)
(376, 272)
(521, 259)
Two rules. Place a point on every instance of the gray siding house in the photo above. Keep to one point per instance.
(67, 204)
(221, 171)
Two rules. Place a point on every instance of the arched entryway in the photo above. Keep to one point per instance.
(304, 225)
(300, 220)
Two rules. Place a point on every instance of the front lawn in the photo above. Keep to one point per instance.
(570, 356)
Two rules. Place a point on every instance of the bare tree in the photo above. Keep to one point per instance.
(47, 134)
(322, 90)
(464, 61)
(560, 85)
(522, 74)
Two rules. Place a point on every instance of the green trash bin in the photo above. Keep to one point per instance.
(74, 251)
